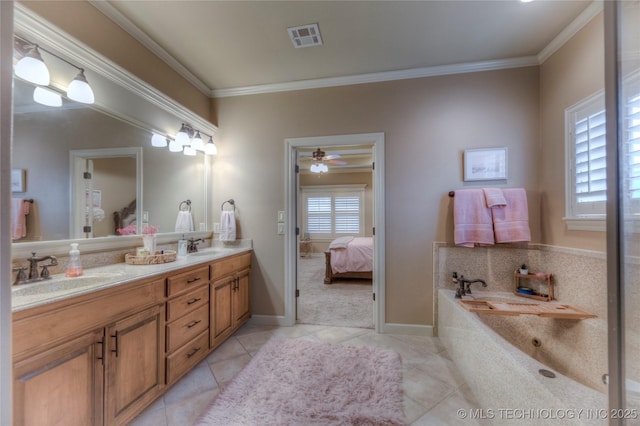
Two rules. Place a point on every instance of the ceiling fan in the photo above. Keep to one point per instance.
(318, 156)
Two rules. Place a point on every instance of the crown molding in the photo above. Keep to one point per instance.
(525, 61)
(126, 24)
(570, 30)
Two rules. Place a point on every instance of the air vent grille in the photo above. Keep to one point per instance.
(305, 35)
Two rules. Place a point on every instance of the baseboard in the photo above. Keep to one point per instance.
(269, 320)
(418, 330)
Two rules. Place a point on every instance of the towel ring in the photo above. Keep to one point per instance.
(188, 203)
(230, 201)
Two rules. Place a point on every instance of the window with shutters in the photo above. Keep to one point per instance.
(586, 152)
(331, 211)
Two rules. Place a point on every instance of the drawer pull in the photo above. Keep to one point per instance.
(193, 352)
(193, 280)
(192, 323)
(194, 300)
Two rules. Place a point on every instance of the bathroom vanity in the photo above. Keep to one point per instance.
(102, 354)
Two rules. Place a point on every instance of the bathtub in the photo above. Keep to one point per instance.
(505, 379)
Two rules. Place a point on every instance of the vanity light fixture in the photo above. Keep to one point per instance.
(79, 89)
(189, 151)
(210, 148)
(183, 136)
(47, 97)
(159, 140)
(31, 67)
(197, 142)
(175, 146)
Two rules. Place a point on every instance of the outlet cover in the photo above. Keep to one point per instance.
(216, 227)
(281, 216)
(281, 229)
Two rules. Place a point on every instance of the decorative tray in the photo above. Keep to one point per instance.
(151, 259)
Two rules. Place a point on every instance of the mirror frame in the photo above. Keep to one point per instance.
(127, 98)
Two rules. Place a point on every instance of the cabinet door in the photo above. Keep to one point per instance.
(135, 368)
(241, 309)
(61, 386)
(221, 312)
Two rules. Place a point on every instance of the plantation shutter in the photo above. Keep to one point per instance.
(319, 215)
(330, 211)
(347, 215)
(632, 137)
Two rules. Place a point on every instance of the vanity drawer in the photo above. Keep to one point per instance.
(187, 280)
(188, 356)
(188, 302)
(186, 328)
(227, 266)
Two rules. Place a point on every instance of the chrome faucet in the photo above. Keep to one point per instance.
(192, 246)
(34, 274)
(464, 285)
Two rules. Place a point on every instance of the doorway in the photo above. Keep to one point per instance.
(297, 150)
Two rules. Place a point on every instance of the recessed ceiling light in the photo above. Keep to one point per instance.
(305, 35)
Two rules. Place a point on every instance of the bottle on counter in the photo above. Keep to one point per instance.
(74, 268)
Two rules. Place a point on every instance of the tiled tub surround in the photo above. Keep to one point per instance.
(574, 348)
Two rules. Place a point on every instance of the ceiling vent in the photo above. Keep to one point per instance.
(305, 35)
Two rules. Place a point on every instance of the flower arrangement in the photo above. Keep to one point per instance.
(132, 230)
(149, 230)
(128, 230)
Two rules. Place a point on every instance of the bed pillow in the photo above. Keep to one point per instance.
(340, 242)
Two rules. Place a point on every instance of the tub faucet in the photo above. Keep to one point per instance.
(464, 285)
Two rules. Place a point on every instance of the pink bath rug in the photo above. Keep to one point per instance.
(299, 382)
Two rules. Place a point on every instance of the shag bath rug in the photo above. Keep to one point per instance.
(299, 382)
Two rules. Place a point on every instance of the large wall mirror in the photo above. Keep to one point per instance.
(53, 146)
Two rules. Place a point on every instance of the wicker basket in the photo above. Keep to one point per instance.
(151, 259)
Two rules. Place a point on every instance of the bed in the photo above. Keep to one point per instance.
(349, 257)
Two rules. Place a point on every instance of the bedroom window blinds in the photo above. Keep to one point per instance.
(333, 212)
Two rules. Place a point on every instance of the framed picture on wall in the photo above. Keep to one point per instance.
(95, 199)
(485, 164)
(18, 180)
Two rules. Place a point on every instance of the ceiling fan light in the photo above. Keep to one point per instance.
(47, 97)
(32, 68)
(175, 146)
(210, 148)
(79, 89)
(323, 168)
(158, 140)
(315, 168)
(189, 151)
(197, 142)
(183, 137)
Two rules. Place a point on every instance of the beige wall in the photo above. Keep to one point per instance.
(573, 73)
(427, 124)
(86, 23)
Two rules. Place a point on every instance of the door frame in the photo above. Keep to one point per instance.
(292, 218)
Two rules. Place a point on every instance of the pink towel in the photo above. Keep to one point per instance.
(472, 218)
(19, 212)
(494, 197)
(511, 223)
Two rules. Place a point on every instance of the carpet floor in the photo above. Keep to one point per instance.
(300, 382)
(347, 302)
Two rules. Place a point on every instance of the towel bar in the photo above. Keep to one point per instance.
(187, 202)
(230, 201)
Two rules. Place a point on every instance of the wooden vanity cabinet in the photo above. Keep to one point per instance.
(89, 360)
(230, 307)
(187, 327)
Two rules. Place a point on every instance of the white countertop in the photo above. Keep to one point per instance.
(59, 287)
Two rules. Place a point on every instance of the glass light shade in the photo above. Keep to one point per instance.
(210, 148)
(189, 151)
(324, 168)
(79, 89)
(197, 142)
(47, 97)
(158, 140)
(183, 137)
(32, 68)
(315, 168)
(175, 146)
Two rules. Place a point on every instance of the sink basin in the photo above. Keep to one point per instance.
(62, 283)
(208, 252)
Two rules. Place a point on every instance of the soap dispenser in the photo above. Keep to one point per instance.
(182, 246)
(74, 268)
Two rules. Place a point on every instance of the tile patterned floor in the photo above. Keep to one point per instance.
(433, 389)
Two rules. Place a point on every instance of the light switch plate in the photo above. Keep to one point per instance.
(281, 229)
(280, 216)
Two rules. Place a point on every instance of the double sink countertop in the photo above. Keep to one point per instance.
(59, 287)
